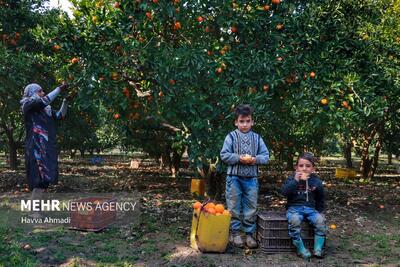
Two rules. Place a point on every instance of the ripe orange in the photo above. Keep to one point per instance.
(200, 19)
(219, 70)
(345, 104)
(279, 58)
(56, 47)
(219, 208)
(207, 29)
(266, 7)
(279, 26)
(324, 101)
(161, 94)
(234, 29)
(117, 4)
(312, 75)
(266, 87)
(155, 1)
(209, 53)
(196, 205)
(94, 19)
(149, 15)
(177, 25)
(211, 210)
(172, 82)
(209, 205)
(126, 92)
(226, 212)
(74, 60)
(276, 2)
(332, 226)
(117, 116)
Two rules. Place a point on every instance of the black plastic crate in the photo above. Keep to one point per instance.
(273, 236)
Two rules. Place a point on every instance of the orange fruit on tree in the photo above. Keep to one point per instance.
(324, 101)
(74, 60)
(161, 94)
(219, 208)
(312, 75)
(117, 4)
(172, 82)
(117, 116)
(56, 47)
(345, 104)
(234, 29)
(200, 19)
(332, 226)
(177, 25)
(155, 1)
(197, 205)
(207, 30)
(276, 2)
(149, 15)
(266, 87)
(266, 7)
(279, 26)
(219, 70)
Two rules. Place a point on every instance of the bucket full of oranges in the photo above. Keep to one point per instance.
(210, 227)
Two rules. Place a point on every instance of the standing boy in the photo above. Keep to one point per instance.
(243, 151)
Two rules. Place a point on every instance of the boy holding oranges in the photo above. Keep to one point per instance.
(243, 151)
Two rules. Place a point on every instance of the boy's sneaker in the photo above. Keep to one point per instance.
(251, 242)
(236, 240)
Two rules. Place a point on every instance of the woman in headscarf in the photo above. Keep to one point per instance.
(40, 143)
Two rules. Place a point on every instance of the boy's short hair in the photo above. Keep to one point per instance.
(243, 110)
(307, 156)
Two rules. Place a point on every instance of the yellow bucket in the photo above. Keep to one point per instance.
(210, 233)
(197, 187)
(343, 173)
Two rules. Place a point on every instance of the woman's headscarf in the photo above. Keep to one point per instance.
(31, 92)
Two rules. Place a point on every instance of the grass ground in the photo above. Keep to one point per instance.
(367, 216)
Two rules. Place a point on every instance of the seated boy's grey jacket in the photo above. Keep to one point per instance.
(231, 152)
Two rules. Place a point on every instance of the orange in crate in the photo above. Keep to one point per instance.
(92, 219)
(197, 187)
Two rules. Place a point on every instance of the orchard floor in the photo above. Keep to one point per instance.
(367, 219)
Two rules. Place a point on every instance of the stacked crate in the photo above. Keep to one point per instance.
(273, 235)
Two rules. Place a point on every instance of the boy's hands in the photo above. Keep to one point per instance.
(301, 176)
(247, 159)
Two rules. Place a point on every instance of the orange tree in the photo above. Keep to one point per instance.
(22, 61)
(171, 71)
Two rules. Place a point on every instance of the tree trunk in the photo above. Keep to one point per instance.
(176, 161)
(365, 160)
(13, 154)
(390, 158)
(378, 147)
(347, 154)
(12, 148)
(375, 160)
(290, 161)
(215, 185)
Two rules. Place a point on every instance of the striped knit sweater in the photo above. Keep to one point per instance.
(237, 143)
